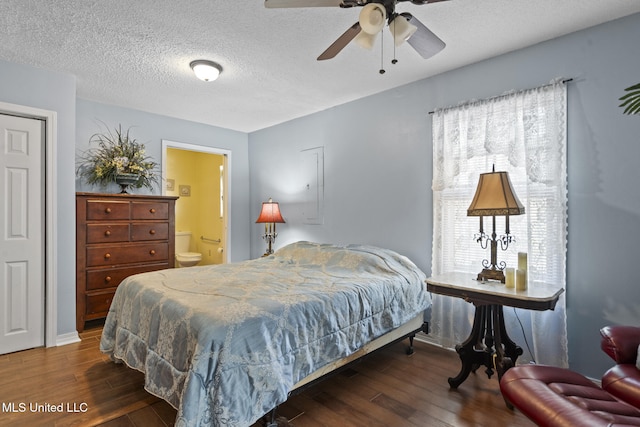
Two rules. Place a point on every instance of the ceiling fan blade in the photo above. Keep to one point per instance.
(423, 40)
(301, 3)
(342, 41)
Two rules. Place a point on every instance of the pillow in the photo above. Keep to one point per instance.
(638, 358)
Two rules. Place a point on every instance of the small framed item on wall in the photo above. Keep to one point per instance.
(184, 190)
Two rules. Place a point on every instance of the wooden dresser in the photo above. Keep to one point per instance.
(118, 235)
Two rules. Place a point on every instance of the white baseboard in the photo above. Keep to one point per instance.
(70, 338)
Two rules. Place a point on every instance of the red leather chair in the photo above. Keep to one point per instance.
(623, 380)
(552, 396)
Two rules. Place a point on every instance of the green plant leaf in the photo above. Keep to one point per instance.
(631, 100)
(631, 95)
(633, 107)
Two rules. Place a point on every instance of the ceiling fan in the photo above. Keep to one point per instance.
(374, 14)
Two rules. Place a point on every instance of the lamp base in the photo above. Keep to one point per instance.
(489, 274)
(270, 238)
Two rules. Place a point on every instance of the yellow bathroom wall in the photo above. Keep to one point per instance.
(195, 178)
(210, 221)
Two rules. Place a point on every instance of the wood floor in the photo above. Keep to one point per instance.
(388, 388)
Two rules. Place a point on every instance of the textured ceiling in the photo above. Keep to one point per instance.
(137, 53)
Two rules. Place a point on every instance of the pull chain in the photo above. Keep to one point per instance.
(382, 71)
(394, 60)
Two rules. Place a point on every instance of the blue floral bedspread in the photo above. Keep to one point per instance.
(225, 344)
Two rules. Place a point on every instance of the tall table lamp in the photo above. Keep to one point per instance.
(494, 197)
(269, 216)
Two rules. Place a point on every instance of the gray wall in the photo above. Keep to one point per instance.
(47, 90)
(378, 170)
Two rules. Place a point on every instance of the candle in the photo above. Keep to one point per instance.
(522, 261)
(521, 280)
(510, 278)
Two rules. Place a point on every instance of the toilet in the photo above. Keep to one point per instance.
(183, 256)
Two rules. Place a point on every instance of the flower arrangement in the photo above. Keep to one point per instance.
(117, 155)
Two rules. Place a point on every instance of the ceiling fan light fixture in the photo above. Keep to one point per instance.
(401, 29)
(205, 70)
(372, 18)
(366, 40)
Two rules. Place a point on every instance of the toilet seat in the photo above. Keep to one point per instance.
(189, 255)
(188, 259)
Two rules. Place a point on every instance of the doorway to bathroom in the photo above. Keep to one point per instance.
(200, 177)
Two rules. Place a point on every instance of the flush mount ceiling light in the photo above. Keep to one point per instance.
(205, 70)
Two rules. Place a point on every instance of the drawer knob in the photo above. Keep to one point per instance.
(107, 279)
(108, 210)
(152, 252)
(152, 210)
(107, 256)
(152, 231)
(107, 233)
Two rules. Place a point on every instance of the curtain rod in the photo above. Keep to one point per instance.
(493, 97)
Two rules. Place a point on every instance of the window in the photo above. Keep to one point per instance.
(523, 133)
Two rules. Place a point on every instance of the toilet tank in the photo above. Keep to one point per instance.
(183, 239)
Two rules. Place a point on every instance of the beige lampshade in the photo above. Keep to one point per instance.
(365, 40)
(495, 196)
(401, 29)
(270, 213)
(372, 18)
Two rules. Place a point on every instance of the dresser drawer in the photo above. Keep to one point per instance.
(98, 304)
(107, 210)
(149, 231)
(105, 233)
(127, 254)
(149, 210)
(111, 277)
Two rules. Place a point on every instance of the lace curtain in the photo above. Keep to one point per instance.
(523, 133)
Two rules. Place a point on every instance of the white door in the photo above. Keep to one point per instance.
(21, 233)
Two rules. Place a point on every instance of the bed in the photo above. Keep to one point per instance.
(226, 344)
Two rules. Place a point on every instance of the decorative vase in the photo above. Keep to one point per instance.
(124, 180)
